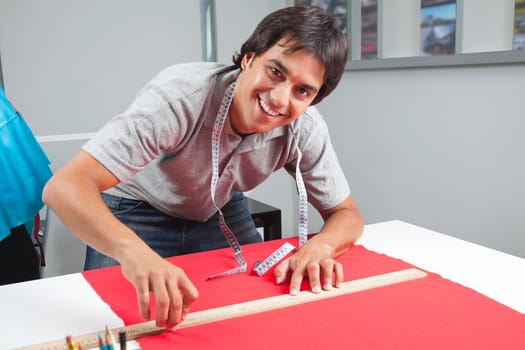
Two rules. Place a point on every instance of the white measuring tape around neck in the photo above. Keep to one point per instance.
(260, 267)
(215, 141)
(198, 318)
(303, 208)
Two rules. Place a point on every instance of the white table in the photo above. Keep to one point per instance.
(42, 310)
(495, 274)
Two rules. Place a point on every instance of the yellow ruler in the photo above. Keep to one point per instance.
(140, 330)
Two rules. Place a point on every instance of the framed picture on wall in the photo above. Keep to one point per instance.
(518, 39)
(338, 8)
(438, 27)
(368, 29)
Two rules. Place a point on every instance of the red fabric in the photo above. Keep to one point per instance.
(429, 313)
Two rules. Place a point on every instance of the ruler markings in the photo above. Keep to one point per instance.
(197, 318)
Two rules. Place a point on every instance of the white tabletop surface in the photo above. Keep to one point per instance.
(495, 274)
(51, 308)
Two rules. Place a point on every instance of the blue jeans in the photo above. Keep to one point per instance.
(170, 236)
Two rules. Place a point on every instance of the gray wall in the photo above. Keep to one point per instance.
(441, 148)
(69, 66)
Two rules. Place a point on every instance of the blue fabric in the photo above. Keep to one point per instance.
(24, 170)
(170, 236)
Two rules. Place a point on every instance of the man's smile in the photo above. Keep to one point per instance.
(267, 109)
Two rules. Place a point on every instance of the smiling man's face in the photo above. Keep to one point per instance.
(274, 89)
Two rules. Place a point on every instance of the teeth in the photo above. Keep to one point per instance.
(267, 108)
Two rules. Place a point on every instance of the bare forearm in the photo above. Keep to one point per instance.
(340, 231)
(78, 203)
(343, 226)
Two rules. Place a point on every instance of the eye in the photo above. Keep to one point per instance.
(303, 92)
(276, 73)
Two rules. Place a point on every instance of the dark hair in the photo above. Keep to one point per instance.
(308, 28)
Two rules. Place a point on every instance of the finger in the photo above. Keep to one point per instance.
(281, 271)
(189, 295)
(295, 281)
(339, 274)
(175, 304)
(313, 276)
(162, 301)
(327, 268)
(141, 287)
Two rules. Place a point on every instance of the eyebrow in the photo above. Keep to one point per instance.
(282, 67)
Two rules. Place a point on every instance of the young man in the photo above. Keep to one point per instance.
(196, 137)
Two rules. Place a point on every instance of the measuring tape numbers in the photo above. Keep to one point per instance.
(261, 267)
(215, 142)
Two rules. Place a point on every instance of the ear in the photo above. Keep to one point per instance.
(247, 59)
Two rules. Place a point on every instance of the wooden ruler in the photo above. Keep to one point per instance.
(140, 330)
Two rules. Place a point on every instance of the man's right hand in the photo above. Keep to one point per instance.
(74, 195)
(172, 289)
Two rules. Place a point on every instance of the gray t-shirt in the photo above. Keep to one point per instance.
(160, 147)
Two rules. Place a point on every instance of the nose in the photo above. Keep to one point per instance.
(280, 95)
